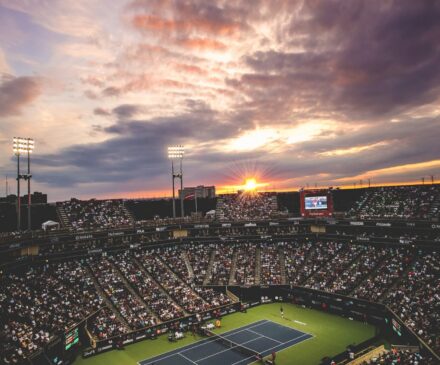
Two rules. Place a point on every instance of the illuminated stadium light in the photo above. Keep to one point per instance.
(25, 146)
(177, 153)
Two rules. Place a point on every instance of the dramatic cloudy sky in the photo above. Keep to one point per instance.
(296, 92)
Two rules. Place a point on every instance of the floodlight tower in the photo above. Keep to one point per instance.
(176, 153)
(23, 146)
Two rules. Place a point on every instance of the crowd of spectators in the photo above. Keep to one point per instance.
(213, 298)
(395, 357)
(404, 202)
(199, 256)
(295, 255)
(156, 299)
(246, 264)
(221, 268)
(174, 257)
(40, 303)
(385, 275)
(96, 214)
(175, 260)
(357, 271)
(318, 255)
(416, 300)
(181, 292)
(326, 277)
(149, 286)
(130, 307)
(105, 324)
(270, 264)
(247, 206)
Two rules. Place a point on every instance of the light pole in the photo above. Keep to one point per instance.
(23, 145)
(174, 153)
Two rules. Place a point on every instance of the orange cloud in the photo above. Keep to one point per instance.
(191, 69)
(399, 169)
(202, 44)
(155, 23)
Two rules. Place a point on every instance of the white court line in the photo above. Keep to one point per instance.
(187, 358)
(272, 348)
(205, 342)
(227, 349)
(269, 338)
(304, 324)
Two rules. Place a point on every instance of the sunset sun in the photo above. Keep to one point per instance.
(250, 184)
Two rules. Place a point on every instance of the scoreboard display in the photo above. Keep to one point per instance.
(71, 338)
(316, 203)
(396, 327)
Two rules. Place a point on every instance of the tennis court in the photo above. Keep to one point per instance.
(238, 346)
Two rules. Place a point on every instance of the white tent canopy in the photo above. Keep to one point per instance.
(50, 225)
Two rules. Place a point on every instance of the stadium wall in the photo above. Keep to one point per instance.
(151, 332)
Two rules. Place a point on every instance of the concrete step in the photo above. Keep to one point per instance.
(208, 274)
(233, 268)
(107, 301)
(257, 266)
(283, 266)
(189, 267)
(133, 291)
(161, 288)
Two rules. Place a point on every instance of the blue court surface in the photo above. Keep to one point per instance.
(263, 337)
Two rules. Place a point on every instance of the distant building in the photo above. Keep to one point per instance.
(36, 198)
(200, 191)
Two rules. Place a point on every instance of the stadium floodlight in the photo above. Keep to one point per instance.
(23, 146)
(177, 153)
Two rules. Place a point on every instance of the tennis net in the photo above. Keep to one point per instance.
(233, 345)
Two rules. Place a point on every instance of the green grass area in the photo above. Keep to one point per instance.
(331, 336)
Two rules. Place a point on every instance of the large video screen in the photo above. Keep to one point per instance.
(316, 202)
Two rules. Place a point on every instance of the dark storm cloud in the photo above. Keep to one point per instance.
(111, 91)
(361, 58)
(412, 141)
(101, 111)
(413, 134)
(16, 93)
(136, 148)
(127, 110)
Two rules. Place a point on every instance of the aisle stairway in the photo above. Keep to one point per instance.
(397, 282)
(208, 274)
(219, 209)
(369, 275)
(188, 265)
(128, 213)
(162, 262)
(283, 266)
(233, 267)
(107, 301)
(161, 288)
(62, 217)
(257, 266)
(133, 291)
